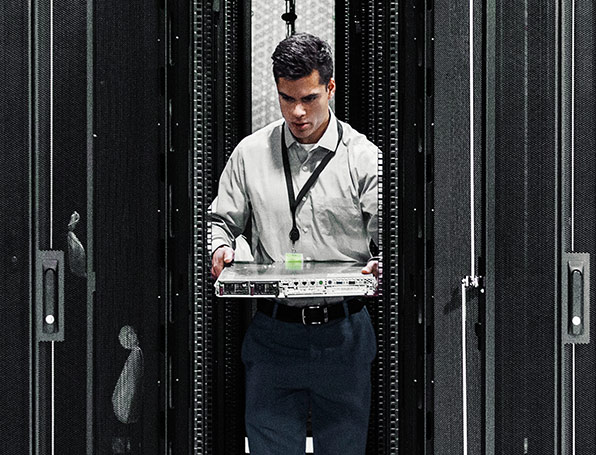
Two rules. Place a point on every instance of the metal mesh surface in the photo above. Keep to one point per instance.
(268, 29)
(454, 233)
(129, 254)
(525, 268)
(15, 347)
(70, 194)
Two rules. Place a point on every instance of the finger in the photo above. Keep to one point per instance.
(375, 269)
(216, 265)
(216, 269)
(367, 269)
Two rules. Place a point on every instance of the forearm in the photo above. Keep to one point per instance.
(221, 234)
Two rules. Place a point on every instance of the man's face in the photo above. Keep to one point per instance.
(304, 105)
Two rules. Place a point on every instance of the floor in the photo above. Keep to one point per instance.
(309, 446)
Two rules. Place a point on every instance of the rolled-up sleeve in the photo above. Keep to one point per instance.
(230, 210)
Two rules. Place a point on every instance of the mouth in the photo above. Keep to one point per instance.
(300, 126)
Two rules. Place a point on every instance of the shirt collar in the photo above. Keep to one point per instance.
(328, 140)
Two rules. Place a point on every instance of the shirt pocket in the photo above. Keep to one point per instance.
(338, 216)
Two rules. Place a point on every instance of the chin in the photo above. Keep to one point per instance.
(301, 134)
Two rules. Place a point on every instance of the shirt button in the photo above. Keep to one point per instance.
(305, 230)
(304, 198)
(305, 168)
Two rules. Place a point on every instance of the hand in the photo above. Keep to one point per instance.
(223, 256)
(371, 267)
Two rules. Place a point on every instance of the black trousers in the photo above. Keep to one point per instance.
(290, 366)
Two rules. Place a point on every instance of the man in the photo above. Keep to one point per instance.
(323, 364)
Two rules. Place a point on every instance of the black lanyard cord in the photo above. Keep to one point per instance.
(295, 202)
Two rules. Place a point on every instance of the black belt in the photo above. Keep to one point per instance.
(314, 314)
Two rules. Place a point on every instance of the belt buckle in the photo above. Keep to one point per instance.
(315, 307)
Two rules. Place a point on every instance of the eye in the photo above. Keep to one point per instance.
(309, 98)
(285, 97)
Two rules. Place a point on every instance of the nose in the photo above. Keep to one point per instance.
(299, 110)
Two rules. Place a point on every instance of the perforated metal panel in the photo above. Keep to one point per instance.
(268, 29)
(457, 228)
(525, 268)
(15, 244)
(132, 286)
(69, 163)
(91, 392)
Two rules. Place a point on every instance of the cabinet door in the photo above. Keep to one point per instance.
(82, 283)
(544, 190)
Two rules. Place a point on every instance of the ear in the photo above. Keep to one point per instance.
(330, 88)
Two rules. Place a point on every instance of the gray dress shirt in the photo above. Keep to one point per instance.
(338, 216)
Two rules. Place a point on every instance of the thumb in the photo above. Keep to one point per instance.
(367, 269)
(228, 255)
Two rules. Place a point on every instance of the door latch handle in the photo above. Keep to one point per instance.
(50, 296)
(576, 299)
(575, 294)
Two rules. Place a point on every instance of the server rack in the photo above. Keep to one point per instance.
(370, 28)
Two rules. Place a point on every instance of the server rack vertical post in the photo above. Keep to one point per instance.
(220, 117)
(202, 191)
(368, 45)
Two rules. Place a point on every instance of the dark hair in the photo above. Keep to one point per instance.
(299, 55)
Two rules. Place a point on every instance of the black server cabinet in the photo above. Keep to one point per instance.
(84, 292)
(543, 190)
(520, 211)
